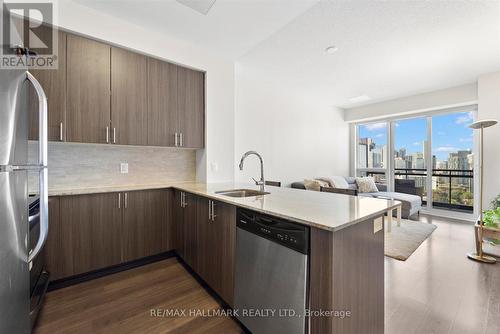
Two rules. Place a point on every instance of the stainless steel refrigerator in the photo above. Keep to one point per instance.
(17, 252)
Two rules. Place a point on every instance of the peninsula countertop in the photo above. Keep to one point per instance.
(322, 210)
(328, 211)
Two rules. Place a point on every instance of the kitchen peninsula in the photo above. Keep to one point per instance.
(197, 222)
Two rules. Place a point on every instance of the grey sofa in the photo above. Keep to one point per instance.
(411, 204)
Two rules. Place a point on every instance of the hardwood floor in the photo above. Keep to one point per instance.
(122, 303)
(437, 290)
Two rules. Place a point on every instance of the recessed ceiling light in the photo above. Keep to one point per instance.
(331, 49)
(361, 98)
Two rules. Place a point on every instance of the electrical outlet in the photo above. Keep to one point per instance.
(124, 167)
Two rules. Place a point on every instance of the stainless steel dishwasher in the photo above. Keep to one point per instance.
(271, 280)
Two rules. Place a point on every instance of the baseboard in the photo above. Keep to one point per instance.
(80, 278)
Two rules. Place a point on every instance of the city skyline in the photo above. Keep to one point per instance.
(450, 133)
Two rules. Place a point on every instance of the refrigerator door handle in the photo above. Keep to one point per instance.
(42, 156)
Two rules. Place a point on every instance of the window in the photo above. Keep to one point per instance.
(430, 156)
(453, 161)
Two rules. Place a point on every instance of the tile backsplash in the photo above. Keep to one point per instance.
(74, 165)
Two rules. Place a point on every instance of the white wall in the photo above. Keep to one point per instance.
(219, 78)
(444, 98)
(297, 137)
(489, 107)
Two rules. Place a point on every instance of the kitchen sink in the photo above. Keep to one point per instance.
(241, 192)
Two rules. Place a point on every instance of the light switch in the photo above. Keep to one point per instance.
(214, 167)
(124, 167)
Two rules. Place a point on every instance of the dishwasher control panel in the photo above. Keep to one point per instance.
(291, 235)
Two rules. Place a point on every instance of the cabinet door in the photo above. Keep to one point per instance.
(146, 223)
(217, 240)
(55, 260)
(178, 223)
(205, 247)
(133, 227)
(54, 84)
(162, 103)
(190, 249)
(129, 122)
(191, 107)
(90, 232)
(88, 90)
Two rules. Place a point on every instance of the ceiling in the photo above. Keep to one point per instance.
(386, 49)
(230, 28)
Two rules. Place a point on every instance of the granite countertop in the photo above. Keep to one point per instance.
(82, 190)
(323, 210)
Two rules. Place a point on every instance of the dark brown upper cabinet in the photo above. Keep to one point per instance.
(176, 108)
(105, 94)
(190, 107)
(54, 84)
(162, 103)
(129, 112)
(88, 90)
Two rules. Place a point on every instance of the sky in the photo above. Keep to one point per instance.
(449, 133)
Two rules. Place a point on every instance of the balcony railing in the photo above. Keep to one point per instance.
(452, 188)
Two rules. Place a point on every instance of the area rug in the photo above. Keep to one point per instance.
(402, 241)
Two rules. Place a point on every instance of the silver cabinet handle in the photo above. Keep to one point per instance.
(107, 134)
(209, 210)
(42, 161)
(185, 203)
(181, 139)
(181, 199)
(119, 200)
(61, 131)
(114, 135)
(126, 200)
(176, 142)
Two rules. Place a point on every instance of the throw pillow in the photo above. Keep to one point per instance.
(366, 185)
(314, 184)
(339, 182)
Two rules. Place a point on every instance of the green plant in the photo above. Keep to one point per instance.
(495, 203)
(491, 218)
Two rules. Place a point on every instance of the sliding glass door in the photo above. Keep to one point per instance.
(453, 171)
(430, 156)
(410, 156)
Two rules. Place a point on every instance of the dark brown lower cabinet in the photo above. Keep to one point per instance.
(54, 262)
(90, 232)
(186, 227)
(216, 223)
(146, 223)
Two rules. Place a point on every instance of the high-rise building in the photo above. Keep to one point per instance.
(460, 161)
(417, 160)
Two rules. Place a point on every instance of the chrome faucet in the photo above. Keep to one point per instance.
(261, 182)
